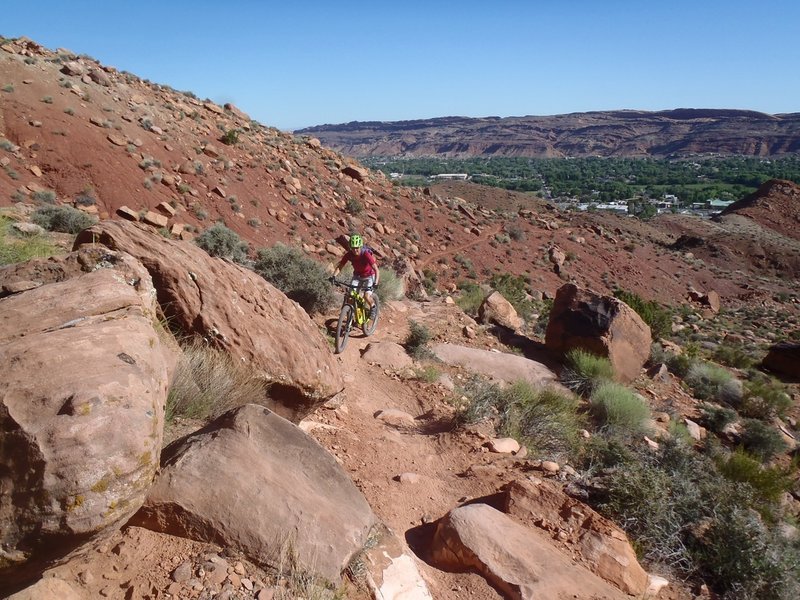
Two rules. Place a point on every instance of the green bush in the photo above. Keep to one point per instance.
(390, 287)
(64, 219)
(711, 382)
(716, 418)
(544, 419)
(765, 398)
(222, 242)
(761, 439)
(684, 516)
(416, 343)
(512, 288)
(619, 408)
(301, 278)
(769, 483)
(658, 318)
(230, 137)
(733, 355)
(470, 297)
(585, 371)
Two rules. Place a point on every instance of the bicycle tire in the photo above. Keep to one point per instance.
(369, 326)
(343, 327)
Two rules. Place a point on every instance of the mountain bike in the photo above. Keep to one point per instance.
(355, 313)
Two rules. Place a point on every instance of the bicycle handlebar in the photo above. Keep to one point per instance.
(351, 286)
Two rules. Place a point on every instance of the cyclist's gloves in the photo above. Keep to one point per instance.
(332, 278)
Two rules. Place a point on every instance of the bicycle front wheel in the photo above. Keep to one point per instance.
(371, 323)
(343, 327)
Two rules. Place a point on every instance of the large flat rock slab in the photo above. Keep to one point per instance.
(497, 365)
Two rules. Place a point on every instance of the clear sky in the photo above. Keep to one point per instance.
(295, 63)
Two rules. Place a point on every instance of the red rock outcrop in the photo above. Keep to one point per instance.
(234, 309)
(294, 493)
(82, 400)
(603, 546)
(784, 358)
(601, 325)
(519, 561)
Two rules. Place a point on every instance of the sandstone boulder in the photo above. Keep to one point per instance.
(603, 547)
(603, 325)
(518, 561)
(254, 481)
(234, 309)
(389, 355)
(784, 358)
(497, 365)
(82, 400)
(496, 309)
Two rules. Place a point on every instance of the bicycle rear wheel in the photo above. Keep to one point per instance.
(370, 324)
(343, 327)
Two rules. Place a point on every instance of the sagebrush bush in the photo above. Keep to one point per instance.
(769, 483)
(585, 371)
(658, 318)
(470, 297)
(765, 398)
(301, 278)
(711, 382)
(390, 287)
(761, 439)
(544, 419)
(733, 355)
(619, 408)
(63, 219)
(209, 381)
(512, 288)
(716, 418)
(416, 343)
(222, 242)
(684, 516)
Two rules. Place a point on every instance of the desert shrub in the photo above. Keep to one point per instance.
(427, 373)
(658, 318)
(230, 137)
(16, 247)
(208, 382)
(544, 419)
(761, 439)
(764, 398)
(733, 355)
(45, 196)
(711, 382)
(684, 516)
(618, 408)
(470, 297)
(584, 371)
(768, 483)
(64, 219)
(743, 559)
(512, 288)
(416, 343)
(716, 418)
(353, 206)
(222, 242)
(301, 278)
(390, 287)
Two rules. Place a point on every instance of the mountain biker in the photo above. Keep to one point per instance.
(365, 269)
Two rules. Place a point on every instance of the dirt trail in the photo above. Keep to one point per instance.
(375, 454)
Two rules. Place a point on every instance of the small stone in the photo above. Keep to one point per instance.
(550, 466)
(409, 478)
(247, 584)
(182, 572)
(504, 445)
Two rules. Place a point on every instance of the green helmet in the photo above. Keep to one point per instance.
(356, 241)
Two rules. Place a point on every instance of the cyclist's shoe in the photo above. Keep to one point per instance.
(332, 278)
(373, 312)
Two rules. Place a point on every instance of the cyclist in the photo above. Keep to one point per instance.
(365, 269)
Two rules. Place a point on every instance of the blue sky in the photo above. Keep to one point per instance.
(295, 64)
